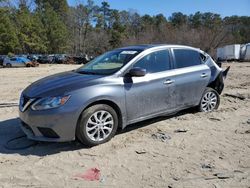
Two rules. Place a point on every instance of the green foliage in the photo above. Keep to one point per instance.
(30, 31)
(117, 29)
(55, 30)
(178, 19)
(59, 6)
(8, 35)
(10, 54)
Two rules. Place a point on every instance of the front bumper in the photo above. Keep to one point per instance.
(53, 125)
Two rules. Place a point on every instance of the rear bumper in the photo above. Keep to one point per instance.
(218, 83)
(55, 125)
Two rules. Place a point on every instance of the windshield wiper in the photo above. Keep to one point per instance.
(87, 72)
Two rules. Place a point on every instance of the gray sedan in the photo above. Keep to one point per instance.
(118, 88)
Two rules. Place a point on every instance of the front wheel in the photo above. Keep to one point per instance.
(97, 125)
(210, 100)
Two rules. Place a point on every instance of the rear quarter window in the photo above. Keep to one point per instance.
(203, 57)
(186, 58)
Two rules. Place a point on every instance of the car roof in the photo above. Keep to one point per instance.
(138, 47)
(23, 58)
(143, 47)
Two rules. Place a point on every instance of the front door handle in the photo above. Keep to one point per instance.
(204, 75)
(168, 81)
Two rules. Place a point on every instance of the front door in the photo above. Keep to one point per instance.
(153, 93)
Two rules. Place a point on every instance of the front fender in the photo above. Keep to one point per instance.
(93, 94)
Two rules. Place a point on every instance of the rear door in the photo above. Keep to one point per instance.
(191, 76)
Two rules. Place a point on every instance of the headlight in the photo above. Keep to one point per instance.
(50, 102)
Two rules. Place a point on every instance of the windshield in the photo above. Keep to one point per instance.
(109, 62)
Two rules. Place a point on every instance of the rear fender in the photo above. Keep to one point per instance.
(218, 83)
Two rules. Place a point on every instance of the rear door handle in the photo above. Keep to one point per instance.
(204, 75)
(168, 81)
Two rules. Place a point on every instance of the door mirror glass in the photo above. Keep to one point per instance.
(137, 72)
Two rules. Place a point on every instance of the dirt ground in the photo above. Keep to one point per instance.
(200, 150)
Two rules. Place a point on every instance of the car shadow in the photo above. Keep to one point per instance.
(10, 131)
(13, 140)
(155, 120)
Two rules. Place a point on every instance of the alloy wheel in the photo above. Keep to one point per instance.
(99, 125)
(209, 102)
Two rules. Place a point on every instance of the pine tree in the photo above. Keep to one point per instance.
(59, 6)
(56, 30)
(117, 29)
(8, 35)
(30, 31)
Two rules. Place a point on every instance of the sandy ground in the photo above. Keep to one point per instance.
(214, 151)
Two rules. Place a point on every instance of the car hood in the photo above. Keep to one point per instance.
(59, 84)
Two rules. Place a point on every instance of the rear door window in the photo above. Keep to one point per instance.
(155, 62)
(186, 58)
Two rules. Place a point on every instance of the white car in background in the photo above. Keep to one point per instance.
(17, 62)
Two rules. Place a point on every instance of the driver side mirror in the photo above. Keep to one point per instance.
(137, 72)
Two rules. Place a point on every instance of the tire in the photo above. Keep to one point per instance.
(8, 65)
(210, 100)
(91, 118)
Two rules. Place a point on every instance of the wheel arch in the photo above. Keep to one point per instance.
(109, 103)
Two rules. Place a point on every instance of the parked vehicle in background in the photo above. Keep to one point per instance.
(32, 57)
(32, 64)
(60, 58)
(22, 55)
(118, 88)
(2, 57)
(18, 62)
(245, 52)
(46, 59)
(83, 59)
(229, 53)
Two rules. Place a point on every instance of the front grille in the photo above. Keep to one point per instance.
(47, 132)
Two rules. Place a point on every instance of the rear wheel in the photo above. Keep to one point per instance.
(210, 100)
(97, 125)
